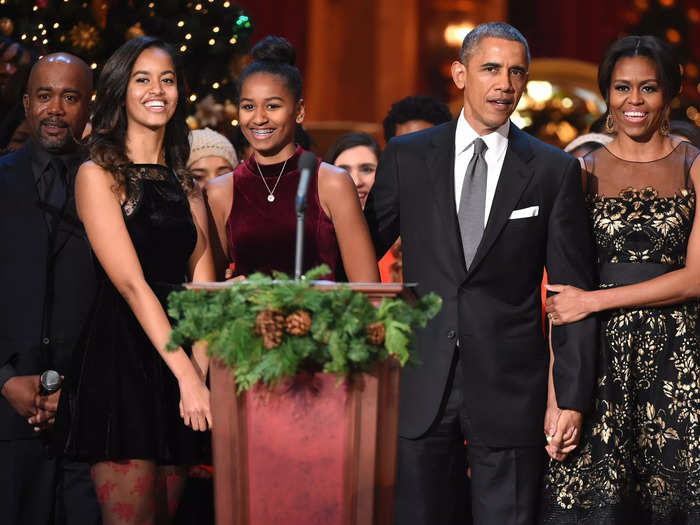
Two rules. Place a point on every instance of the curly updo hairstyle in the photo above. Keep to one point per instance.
(658, 51)
(107, 142)
(274, 55)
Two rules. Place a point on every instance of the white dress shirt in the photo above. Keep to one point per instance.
(497, 144)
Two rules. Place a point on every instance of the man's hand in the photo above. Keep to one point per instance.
(46, 407)
(567, 435)
(21, 393)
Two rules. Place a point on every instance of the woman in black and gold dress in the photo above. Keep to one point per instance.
(638, 461)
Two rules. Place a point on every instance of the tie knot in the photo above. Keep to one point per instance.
(479, 147)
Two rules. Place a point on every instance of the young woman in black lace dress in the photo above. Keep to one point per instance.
(132, 409)
(638, 461)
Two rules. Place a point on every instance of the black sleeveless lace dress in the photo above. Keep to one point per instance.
(121, 400)
(639, 457)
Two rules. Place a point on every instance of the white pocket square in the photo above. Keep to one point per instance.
(524, 213)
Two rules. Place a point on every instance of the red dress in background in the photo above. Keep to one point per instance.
(261, 234)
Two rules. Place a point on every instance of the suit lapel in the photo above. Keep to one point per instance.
(514, 178)
(441, 168)
(69, 225)
(28, 192)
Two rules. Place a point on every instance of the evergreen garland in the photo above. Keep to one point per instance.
(337, 342)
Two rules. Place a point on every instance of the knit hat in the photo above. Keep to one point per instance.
(208, 143)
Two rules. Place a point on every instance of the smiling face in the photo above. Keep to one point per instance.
(57, 102)
(268, 115)
(636, 98)
(361, 163)
(493, 80)
(151, 95)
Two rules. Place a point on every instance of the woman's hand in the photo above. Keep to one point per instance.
(194, 403)
(570, 304)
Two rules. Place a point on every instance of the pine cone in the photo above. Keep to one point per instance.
(376, 333)
(270, 325)
(299, 323)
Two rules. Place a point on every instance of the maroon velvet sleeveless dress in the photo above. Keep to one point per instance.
(261, 234)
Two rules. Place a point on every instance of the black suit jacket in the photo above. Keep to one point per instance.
(495, 307)
(24, 258)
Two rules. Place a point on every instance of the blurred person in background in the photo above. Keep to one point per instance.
(687, 131)
(408, 115)
(584, 144)
(358, 154)
(15, 63)
(414, 113)
(211, 155)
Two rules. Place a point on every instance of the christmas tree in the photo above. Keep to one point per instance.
(212, 37)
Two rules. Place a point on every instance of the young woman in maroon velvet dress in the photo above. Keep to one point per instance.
(253, 208)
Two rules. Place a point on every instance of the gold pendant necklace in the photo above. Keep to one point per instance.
(271, 192)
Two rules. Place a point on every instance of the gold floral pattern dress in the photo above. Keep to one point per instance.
(638, 461)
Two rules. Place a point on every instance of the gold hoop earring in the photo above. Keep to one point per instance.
(610, 123)
(665, 128)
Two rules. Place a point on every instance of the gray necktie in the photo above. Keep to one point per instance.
(472, 202)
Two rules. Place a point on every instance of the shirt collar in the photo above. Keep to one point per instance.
(41, 159)
(496, 141)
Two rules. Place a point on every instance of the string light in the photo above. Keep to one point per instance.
(227, 4)
(35, 8)
(193, 97)
(234, 122)
(45, 41)
(40, 26)
(93, 66)
(198, 7)
(232, 40)
(188, 36)
(180, 23)
(215, 85)
(212, 41)
(183, 48)
(215, 29)
(55, 26)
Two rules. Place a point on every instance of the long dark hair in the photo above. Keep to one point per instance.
(107, 142)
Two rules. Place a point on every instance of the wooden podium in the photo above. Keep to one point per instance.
(310, 451)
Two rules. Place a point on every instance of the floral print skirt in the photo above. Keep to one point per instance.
(638, 461)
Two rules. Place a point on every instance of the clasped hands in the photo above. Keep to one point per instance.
(562, 429)
(22, 392)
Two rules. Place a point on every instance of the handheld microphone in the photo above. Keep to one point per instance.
(50, 382)
(307, 164)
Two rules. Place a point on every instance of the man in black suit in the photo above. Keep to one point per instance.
(482, 208)
(48, 282)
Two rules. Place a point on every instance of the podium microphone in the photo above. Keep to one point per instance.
(307, 164)
(50, 382)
